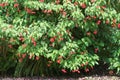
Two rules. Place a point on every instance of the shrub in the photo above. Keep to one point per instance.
(65, 35)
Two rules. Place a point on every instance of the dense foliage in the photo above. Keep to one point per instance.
(39, 37)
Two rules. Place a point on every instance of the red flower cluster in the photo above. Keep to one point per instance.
(47, 11)
(64, 13)
(21, 57)
(3, 4)
(33, 41)
(119, 26)
(30, 11)
(76, 71)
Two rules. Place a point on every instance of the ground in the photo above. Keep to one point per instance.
(66, 78)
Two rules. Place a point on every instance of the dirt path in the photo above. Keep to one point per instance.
(64, 78)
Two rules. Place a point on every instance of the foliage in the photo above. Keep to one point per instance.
(41, 36)
(115, 4)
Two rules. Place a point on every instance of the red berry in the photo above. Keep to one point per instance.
(48, 65)
(30, 56)
(58, 61)
(83, 5)
(97, 6)
(94, 17)
(33, 12)
(88, 33)
(103, 7)
(45, 11)
(16, 5)
(23, 56)
(24, 45)
(86, 70)
(75, 3)
(52, 40)
(10, 46)
(34, 43)
(41, 0)
(49, 11)
(37, 58)
(82, 65)
(21, 38)
(29, 11)
(98, 22)
(64, 13)
(111, 72)
(88, 17)
(20, 60)
(57, 2)
(73, 71)
(78, 71)
(92, 1)
(107, 22)
(61, 10)
(2, 5)
(61, 39)
(95, 32)
(64, 71)
(96, 50)
(119, 26)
